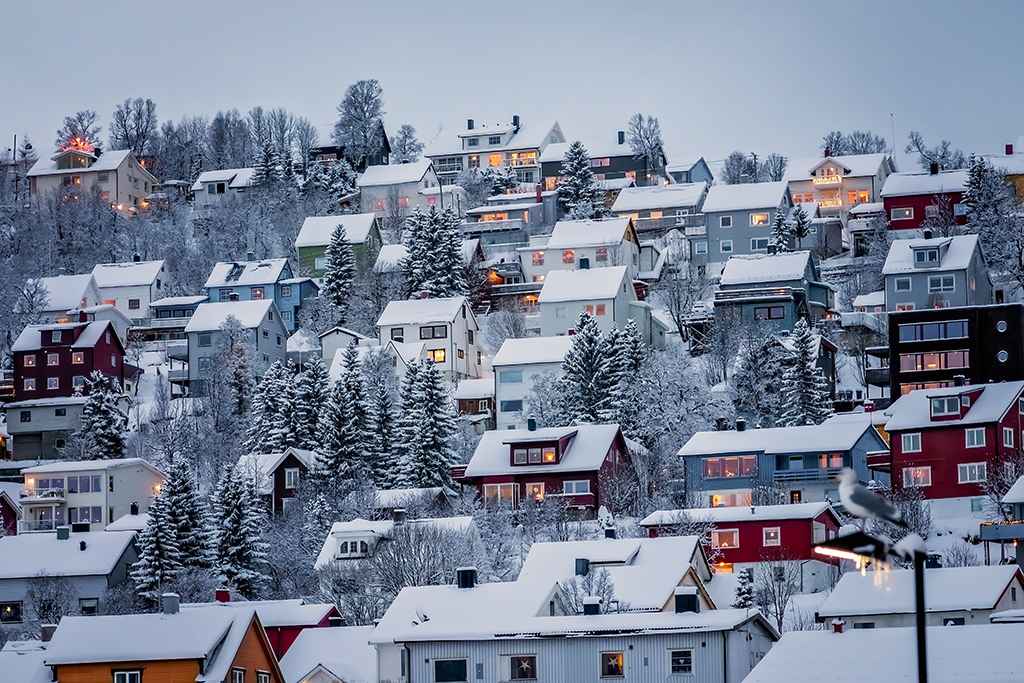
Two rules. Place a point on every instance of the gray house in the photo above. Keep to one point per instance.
(936, 273)
(737, 220)
(776, 289)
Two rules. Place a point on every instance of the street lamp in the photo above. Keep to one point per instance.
(861, 548)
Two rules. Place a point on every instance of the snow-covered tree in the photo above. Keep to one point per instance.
(758, 379)
(577, 190)
(477, 184)
(385, 465)
(503, 179)
(588, 382)
(434, 264)
(287, 426)
(406, 423)
(101, 434)
(359, 119)
(267, 422)
(994, 213)
(340, 270)
(943, 154)
(159, 555)
(80, 127)
(404, 145)
(644, 136)
(805, 394)
(234, 351)
(186, 514)
(431, 452)
(235, 527)
(744, 596)
(345, 434)
(782, 232)
(801, 226)
(310, 397)
(265, 169)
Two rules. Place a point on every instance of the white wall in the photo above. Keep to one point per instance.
(508, 391)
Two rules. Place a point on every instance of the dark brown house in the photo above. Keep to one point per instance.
(278, 476)
(329, 153)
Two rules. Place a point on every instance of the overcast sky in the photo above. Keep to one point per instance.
(719, 75)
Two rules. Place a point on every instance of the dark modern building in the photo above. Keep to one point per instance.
(610, 162)
(329, 153)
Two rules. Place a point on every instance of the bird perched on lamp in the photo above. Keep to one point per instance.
(860, 502)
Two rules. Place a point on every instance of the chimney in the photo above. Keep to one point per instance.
(959, 380)
(609, 532)
(869, 406)
(686, 599)
(838, 625)
(169, 603)
(222, 595)
(133, 509)
(136, 258)
(466, 577)
(828, 152)
(927, 233)
(63, 533)
(531, 424)
(46, 632)
(741, 424)
(622, 137)
(582, 566)
(250, 256)
(470, 124)
(515, 122)
(933, 168)
(398, 516)
(1009, 149)
(233, 296)
(82, 545)
(591, 605)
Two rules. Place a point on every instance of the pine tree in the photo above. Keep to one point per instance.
(504, 180)
(310, 397)
(758, 380)
(432, 453)
(345, 432)
(744, 590)
(805, 393)
(405, 430)
(265, 169)
(268, 421)
(186, 514)
(234, 348)
(577, 190)
(386, 468)
(988, 199)
(340, 271)
(801, 226)
(103, 424)
(782, 232)
(159, 555)
(627, 354)
(236, 523)
(415, 266)
(587, 386)
(288, 427)
(447, 273)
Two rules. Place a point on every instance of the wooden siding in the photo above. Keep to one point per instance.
(177, 671)
(255, 654)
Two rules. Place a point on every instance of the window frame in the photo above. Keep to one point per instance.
(941, 288)
(621, 664)
(909, 281)
(690, 669)
(126, 676)
(575, 486)
(980, 472)
(716, 541)
(908, 209)
(722, 249)
(291, 478)
(432, 355)
(764, 536)
(19, 606)
(903, 442)
(439, 660)
(761, 223)
(512, 669)
(921, 469)
(1008, 432)
(968, 431)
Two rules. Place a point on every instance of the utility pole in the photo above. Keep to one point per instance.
(892, 129)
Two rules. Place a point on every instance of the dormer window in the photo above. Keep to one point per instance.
(944, 406)
(472, 142)
(494, 140)
(519, 456)
(926, 256)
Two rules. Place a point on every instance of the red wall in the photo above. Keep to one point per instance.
(918, 203)
(282, 637)
(96, 358)
(8, 518)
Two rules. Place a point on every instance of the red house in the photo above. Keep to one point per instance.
(510, 465)
(912, 198)
(10, 507)
(284, 620)
(54, 360)
(746, 535)
(945, 440)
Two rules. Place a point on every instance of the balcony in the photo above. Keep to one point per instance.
(877, 377)
(160, 323)
(517, 162)
(52, 495)
(28, 526)
(697, 231)
(1003, 530)
(880, 461)
(869, 321)
(806, 475)
(177, 376)
(827, 180)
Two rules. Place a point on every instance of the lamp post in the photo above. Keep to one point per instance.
(861, 547)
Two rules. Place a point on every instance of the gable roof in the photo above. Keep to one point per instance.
(530, 135)
(745, 196)
(854, 165)
(262, 466)
(947, 589)
(659, 196)
(394, 174)
(588, 233)
(107, 161)
(527, 350)
(344, 651)
(586, 451)
(41, 554)
(91, 466)
(748, 269)
(904, 184)
(235, 177)
(316, 231)
(957, 256)
(132, 273)
(64, 292)
(24, 664)
(742, 513)
(277, 613)
(231, 273)
(913, 410)
(840, 436)
(210, 316)
(368, 529)
(421, 311)
(469, 389)
(582, 285)
(556, 151)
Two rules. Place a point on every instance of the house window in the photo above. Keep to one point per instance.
(88, 606)
(954, 329)
(727, 467)
(971, 472)
(759, 244)
(472, 142)
(771, 535)
(769, 312)
(319, 263)
(256, 292)
(238, 676)
(262, 677)
(911, 442)
(1008, 437)
(29, 384)
(519, 456)
(975, 437)
(134, 304)
(902, 284)
(944, 360)
(436, 355)
(700, 247)
(926, 255)
(538, 258)
(725, 538)
(941, 283)
(515, 406)
(917, 476)
(450, 670)
(523, 668)
(10, 612)
(56, 336)
(434, 332)
(52, 359)
(113, 360)
(291, 478)
(601, 254)
(600, 309)
(510, 376)
(534, 456)
(568, 256)
(613, 665)
(680, 661)
(725, 246)
(205, 339)
(29, 361)
(903, 214)
(77, 357)
(494, 140)
(136, 677)
(945, 405)
(78, 381)
(576, 486)
(759, 218)
(53, 383)
(60, 412)
(286, 315)
(398, 334)
(535, 491)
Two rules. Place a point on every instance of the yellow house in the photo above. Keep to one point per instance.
(117, 175)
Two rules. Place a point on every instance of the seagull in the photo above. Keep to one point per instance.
(860, 502)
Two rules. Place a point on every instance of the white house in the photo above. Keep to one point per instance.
(116, 175)
(358, 539)
(659, 208)
(393, 191)
(67, 292)
(339, 338)
(583, 244)
(341, 654)
(517, 365)
(215, 188)
(130, 287)
(447, 328)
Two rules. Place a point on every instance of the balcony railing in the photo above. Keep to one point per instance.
(51, 495)
(827, 180)
(806, 475)
(177, 376)
(26, 526)
(1003, 530)
(869, 321)
(697, 231)
(877, 377)
(522, 161)
(160, 322)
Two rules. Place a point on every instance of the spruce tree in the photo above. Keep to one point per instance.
(103, 424)
(415, 267)
(159, 555)
(801, 226)
(805, 394)
(236, 523)
(446, 268)
(782, 232)
(310, 397)
(287, 427)
(265, 169)
(588, 383)
(988, 199)
(432, 453)
(186, 514)
(758, 380)
(409, 416)
(267, 416)
(744, 590)
(577, 190)
(340, 271)
(504, 180)
(345, 430)
(234, 350)
(384, 463)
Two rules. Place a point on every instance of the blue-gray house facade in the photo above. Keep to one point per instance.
(941, 272)
(737, 220)
(266, 279)
(774, 290)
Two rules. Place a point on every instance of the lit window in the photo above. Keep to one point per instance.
(681, 661)
(760, 218)
(971, 473)
(436, 355)
(917, 476)
(911, 443)
(601, 254)
(725, 539)
(29, 361)
(535, 491)
(256, 292)
(903, 214)
(29, 384)
(568, 256)
(728, 467)
(613, 665)
(494, 160)
(975, 437)
(538, 258)
(771, 536)
(551, 456)
(52, 359)
(523, 668)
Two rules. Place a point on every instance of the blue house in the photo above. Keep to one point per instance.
(690, 171)
(738, 467)
(737, 220)
(775, 289)
(266, 279)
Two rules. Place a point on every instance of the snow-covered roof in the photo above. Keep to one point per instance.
(492, 208)
(595, 150)
(586, 451)
(913, 410)
(235, 177)
(645, 571)
(127, 274)
(42, 554)
(980, 654)
(468, 248)
(582, 285)
(345, 652)
(55, 401)
(588, 233)
(1010, 164)
(745, 196)
(749, 269)
(90, 336)
(108, 161)
(316, 231)
(659, 197)
(389, 258)
(468, 389)
(527, 350)
(12, 490)
(867, 208)
(807, 438)
(861, 416)
(261, 466)
(1016, 492)
(303, 341)
(396, 498)
(30, 338)
(854, 165)
(902, 184)
(946, 589)
(741, 513)
(210, 316)
(957, 255)
(89, 466)
(870, 299)
(129, 522)
(685, 164)
(24, 665)
(529, 136)
(179, 301)
(277, 613)
(64, 292)
(394, 174)
(421, 311)
(231, 273)
(366, 529)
